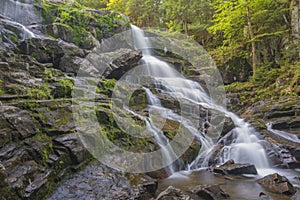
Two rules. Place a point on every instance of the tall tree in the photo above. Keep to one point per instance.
(117, 5)
(142, 12)
(243, 22)
(251, 34)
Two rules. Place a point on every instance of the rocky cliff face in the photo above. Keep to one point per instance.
(38, 140)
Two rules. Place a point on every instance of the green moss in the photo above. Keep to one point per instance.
(40, 93)
(80, 22)
(105, 86)
(1, 88)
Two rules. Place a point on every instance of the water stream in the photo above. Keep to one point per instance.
(283, 134)
(22, 11)
(245, 147)
(24, 31)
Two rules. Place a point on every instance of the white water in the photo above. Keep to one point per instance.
(245, 148)
(24, 32)
(283, 134)
(22, 11)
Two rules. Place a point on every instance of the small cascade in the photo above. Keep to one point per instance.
(245, 147)
(24, 32)
(22, 11)
(283, 134)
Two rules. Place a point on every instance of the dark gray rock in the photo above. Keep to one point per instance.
(56, 119)
(286, 123)
(3, 175)
(65, 32)
(123, 61)
(235, 169)
(73, 143)
(39, 181)
(15, 124)
(172, 193)
(70, 64)
(97, 182)
(46, 50)
(278, 184)
(236, 69)
(210, 192)
(147, 190)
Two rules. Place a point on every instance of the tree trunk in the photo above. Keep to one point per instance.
(185, 27)
(253, 46)
(295, 18)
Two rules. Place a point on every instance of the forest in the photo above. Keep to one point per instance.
(255, 39)
(204, 106)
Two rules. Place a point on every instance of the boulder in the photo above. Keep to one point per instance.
(231, 168)
(47, 50)
(172, 193)
(236, 69)
(278, 184)
(123, 60)
(66, 33)
(147, 190)
(210, 192)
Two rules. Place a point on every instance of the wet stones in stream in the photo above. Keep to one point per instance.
(210, 192)
(231, 168)
(278, 184)
(172, 193)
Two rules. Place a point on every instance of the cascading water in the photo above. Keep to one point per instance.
(245, 147)
(283, 134)
(22, 11)
(24, 32)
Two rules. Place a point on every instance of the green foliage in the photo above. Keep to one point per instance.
(95, 4)
(80, 22)
(40, 93)
(1, 88)
(231, 25)
(142, 12)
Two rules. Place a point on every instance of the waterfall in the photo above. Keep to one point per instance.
(22, 11)
(245, 148)
(24, 32)
(283, 134)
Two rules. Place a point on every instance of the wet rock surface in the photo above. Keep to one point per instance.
(94, 182)
(283, 115)
(210, 192)
(277, 183)
(15, 124)
(97, 181)
(231, 168)
(172, 193)
(123, 61)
